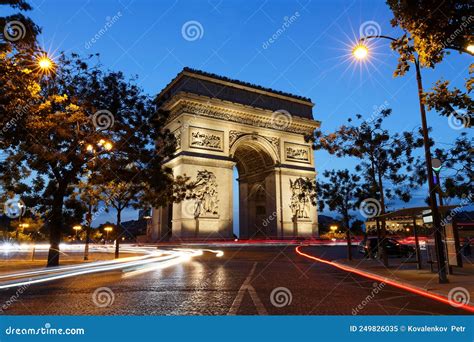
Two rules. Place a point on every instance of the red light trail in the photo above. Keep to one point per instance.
(393, 283)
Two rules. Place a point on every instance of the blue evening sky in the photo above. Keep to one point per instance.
(312, 57)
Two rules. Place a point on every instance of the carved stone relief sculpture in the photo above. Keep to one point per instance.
(300, 201)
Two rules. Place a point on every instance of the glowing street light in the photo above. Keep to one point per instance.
(360, 51)
(108, 145)
(45, 64)
(438, 234)
(333, 228)
(470, 48)
(107, 230)
(77, 228)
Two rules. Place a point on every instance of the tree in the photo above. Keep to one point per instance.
(120, 195)
(74, 109)
(457, 173)
(430, 34)
(432, 28)
(340, 192)
(17, 29)
(454, 103)
(28, 229)
(90, 195)
(385, 159)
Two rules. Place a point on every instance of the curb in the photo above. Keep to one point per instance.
(404, 286)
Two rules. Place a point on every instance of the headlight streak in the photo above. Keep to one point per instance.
(67, 268)
(152, 260)
(157, 266)
(218, 253)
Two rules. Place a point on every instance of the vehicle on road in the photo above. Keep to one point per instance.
(369, 247)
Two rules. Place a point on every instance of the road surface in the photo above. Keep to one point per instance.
(250, 280)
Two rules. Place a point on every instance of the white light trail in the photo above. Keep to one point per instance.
(152, 259)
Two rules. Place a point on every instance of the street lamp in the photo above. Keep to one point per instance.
(45, 64)
(107, 230)
(77, 228)
(360, 51)
(436, 165)
(440, 252)
(107, 146)
(470, 48)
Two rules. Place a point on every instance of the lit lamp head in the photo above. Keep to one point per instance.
(470, 48)
(333, 228)
(77, 228)
(360, 51)
(108, 229)
(45, 64)
(108, 145)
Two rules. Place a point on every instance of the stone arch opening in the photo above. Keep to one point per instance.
(255, 163)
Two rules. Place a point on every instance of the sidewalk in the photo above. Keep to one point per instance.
(17, 262)
(460, 283)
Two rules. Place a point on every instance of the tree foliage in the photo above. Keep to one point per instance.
(457, 175)
(432, 28)
(340, 192)
(386, 160)
(17, 30)
(47, 147)
(453, 102)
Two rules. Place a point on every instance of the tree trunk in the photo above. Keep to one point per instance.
(119, 233)
(88, 232)
(55, 229)
(383, 255)
(348, 236)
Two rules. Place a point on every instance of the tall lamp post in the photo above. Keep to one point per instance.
(436, 165)
(102, 146)
(77, 229)
(107, 231)
(360, 52)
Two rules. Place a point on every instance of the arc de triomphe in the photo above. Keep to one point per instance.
(221, 123)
